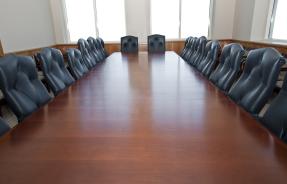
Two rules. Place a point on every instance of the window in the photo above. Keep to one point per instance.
(77, 28)
(278, 28)
(111, 19)
(104, 18)
(180, 18)
(165, 18)
(107, 18)
(191, 24)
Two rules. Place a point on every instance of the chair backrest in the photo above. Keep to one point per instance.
(101, 45)
(88, 59)
(191, 49)
(95, 46)
(211, 54)
(258, 79)
(90, 47)
(187, 40)
(275, 118)
(186, 46)
(101, 42)
(203, 63)
(55, 71)
(81, 45)
(229, 67)
(22, 89)
(76, 63)
(197, 56)
(4, 127)
(156, 43)
(129, 44)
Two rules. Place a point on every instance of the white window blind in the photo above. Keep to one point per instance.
(111, 19)
(195, 18)
(84, 17)
(165, 18)
(107, 18)
(80, 19)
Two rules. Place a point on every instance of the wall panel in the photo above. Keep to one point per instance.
(25, 24)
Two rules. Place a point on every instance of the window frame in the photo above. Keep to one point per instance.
(211, 19)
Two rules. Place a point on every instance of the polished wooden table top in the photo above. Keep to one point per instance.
(142, 119)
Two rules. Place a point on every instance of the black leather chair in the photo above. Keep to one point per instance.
(275, 118)
(187, 40)
(101, 45)
(22, 89)
(129, 44)
(55, 72)
(156, 43)
(198, 55)
(258, 80)
(191, 48)
(76, 64)
(229, 67)
(88, 59)
(204, 62)
(209, 62)
(4, 128)
(96, 49)
(187, 45)
(91, 49)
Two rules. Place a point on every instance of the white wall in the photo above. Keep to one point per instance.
(261, 18)
(251, 19)
(25, 24)
(223, 17)
(243, 19)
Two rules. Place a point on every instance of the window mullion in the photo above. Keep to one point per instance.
(180, 14)
(96, 18)
(210, 25)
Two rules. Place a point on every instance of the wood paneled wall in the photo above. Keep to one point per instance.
(176, 45)
(30, 52)
(249, 45)
(64, 47)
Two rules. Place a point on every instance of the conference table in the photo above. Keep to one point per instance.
(142, 118)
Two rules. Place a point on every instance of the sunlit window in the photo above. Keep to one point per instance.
(278, 28)
(180, 18)
(172, 18)
(84, 17)
(195, 18)
(165, 18)
(111, 19)
(80, 19)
